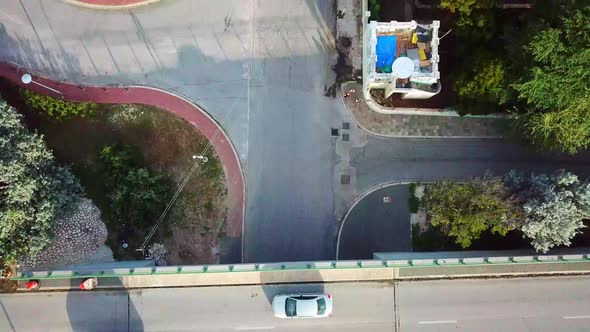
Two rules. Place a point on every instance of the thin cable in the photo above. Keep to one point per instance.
(187, 177)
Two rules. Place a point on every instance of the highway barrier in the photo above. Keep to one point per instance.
(440, 267)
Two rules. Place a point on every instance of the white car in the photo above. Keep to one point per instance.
(302, 305)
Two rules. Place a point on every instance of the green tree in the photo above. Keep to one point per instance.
(471, 13)
(465, 210)
(480, 87)
(58, 109)
(556, 87)
(566, 130)
(33, 190)
(554, 206)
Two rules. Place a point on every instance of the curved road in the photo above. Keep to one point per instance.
(259, 68)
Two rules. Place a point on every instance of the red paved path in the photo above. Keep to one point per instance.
(164, 100)
(111, 3)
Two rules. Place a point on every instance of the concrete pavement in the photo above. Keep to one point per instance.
(527, 304)
(259, 69)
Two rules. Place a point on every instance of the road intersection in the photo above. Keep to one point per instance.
(259, 69)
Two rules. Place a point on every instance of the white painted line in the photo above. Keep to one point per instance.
(254, 328)
(576, 317)
(424, 322)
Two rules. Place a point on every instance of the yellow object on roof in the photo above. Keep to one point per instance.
(422, 54)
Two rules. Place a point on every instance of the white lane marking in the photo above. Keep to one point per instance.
(576, 317)
(437, 322)
(253, 328)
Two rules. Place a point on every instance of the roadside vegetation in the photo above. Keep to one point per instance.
(530, 63)
(129, 160)
(548, 210)
(34, 189)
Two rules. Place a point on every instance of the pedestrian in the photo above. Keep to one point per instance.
(356, 101)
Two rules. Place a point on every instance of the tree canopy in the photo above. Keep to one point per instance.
(34, 191)
(554, 206)
(465, 210)
(556, 86)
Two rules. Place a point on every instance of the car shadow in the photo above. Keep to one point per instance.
(275, 282)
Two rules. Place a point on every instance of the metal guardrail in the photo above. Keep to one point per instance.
(300, 266)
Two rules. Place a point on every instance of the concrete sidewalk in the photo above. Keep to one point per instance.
(404, 125)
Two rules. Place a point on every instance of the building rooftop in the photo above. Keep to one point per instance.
(402, 57)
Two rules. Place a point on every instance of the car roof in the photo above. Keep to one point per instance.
(307, 308)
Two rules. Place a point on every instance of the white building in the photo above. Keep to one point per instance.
(402, 57)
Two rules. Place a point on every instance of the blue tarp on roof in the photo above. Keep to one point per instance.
(386, 47)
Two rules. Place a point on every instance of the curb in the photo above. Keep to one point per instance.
(174, 103)
(401, 136)
(97, 4)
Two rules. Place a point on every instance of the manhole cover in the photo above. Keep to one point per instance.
(346, 137)
(334, 131)
(345, 179)
(346, 125)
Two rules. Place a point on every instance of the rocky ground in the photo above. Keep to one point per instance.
(78, 239)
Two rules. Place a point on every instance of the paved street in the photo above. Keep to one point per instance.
(259, 68)
(377, 226)
(539, 304)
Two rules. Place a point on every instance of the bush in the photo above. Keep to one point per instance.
(33, 190)
(58, 109)
(137, 196)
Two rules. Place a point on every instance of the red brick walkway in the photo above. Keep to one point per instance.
(164, 100)
(109, 3)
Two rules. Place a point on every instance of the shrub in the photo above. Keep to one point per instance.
(58, 109)
(137, 196)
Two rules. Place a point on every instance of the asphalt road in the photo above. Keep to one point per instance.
(374, 225)
(259, 68)
(539, 304)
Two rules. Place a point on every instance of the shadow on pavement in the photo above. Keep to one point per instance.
(103, 310)
(314, 284)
